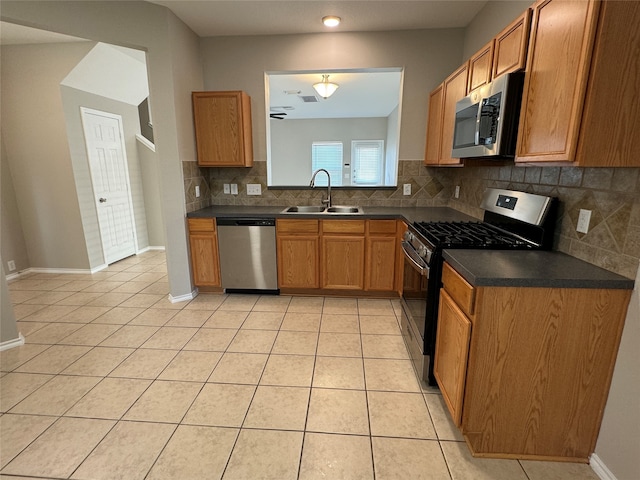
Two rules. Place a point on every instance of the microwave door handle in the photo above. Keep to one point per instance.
(478, 118)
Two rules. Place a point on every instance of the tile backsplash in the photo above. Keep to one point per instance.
(612, 194)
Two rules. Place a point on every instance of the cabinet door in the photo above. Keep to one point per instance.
(434, 126)
(205, 264)
(510, 48)
(455, 87)
(480, 67)
(452, 353)
(298, 261)
(223, 129)
(381, 262)
(557, 69)
(343, 262)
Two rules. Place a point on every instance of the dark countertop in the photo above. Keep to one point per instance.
(417, 214)
(481, 268)
(509, 268)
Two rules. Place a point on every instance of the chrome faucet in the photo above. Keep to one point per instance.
(312, 184)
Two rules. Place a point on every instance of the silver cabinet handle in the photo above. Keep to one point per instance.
(102, 200)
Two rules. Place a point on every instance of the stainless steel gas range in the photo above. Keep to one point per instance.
(512, 220)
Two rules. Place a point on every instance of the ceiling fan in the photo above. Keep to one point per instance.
(278, 116)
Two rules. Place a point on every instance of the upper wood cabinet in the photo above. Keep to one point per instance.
(453, 89)
(580, 101)
(434, 126)
(223, 129)
(480, 67)
(510, 46)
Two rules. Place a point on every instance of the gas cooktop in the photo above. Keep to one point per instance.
(469, 235)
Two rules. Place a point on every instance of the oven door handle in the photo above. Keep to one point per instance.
(415, 260)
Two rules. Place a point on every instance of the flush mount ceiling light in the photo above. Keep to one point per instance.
(331, 21)
(325, 88)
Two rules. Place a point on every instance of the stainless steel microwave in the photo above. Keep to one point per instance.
(486, 121)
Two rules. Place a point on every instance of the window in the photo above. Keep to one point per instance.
(367, 166)
(327, 155)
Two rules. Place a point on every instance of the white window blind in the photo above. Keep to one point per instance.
(367, 162)
(327, 155)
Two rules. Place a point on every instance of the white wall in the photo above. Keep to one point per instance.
(618, 444)
(152, 200)
(292, 139)
(34, 133)
(174, 71)
(428, 56)
(12, 244)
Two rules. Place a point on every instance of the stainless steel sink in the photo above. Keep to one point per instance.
(337, 210)
(304, 209)
(343, 209)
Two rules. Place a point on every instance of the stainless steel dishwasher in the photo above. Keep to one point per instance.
(248, 255)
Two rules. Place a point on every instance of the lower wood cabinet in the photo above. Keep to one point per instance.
(203, 242)
(525, 372)
(342, 254)
(452, 346)
(298, 244)
(338, 255)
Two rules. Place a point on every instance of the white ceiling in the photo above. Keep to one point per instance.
(271, 17)
(360, 94)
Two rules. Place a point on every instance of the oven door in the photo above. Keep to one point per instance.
(414, 309)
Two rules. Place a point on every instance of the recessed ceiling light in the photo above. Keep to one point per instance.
(331, 21)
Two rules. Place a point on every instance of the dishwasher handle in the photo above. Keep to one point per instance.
(245, 222)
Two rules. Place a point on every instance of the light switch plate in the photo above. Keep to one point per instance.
(234, 189)
(226, 188)
(583, 221)
(197, 191)
(254, 189)
(406, 189)
(12, 265)
(456, 194)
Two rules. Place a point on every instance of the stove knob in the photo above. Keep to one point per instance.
(408, 236)
(422, 251)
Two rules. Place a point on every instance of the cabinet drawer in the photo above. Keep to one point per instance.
(382, 226)
(459, 289)
(297, 226)
(202, 224)
(343, 226)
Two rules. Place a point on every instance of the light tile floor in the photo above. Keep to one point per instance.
(114, 381)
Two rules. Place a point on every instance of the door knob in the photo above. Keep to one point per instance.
(102, 200)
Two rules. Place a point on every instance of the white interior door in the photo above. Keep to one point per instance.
(110, 176)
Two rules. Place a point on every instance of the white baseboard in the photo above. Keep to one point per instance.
(99, 268)
(150, 248)
(65, 270)
(598, 466)
(16, 342)
(183, 298)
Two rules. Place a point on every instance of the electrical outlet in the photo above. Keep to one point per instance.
(234, 189)
(456, 194)
(197, 191)
(406, 189)
(226, 188)
(254, 189)
(583, 221)
(12, 265)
